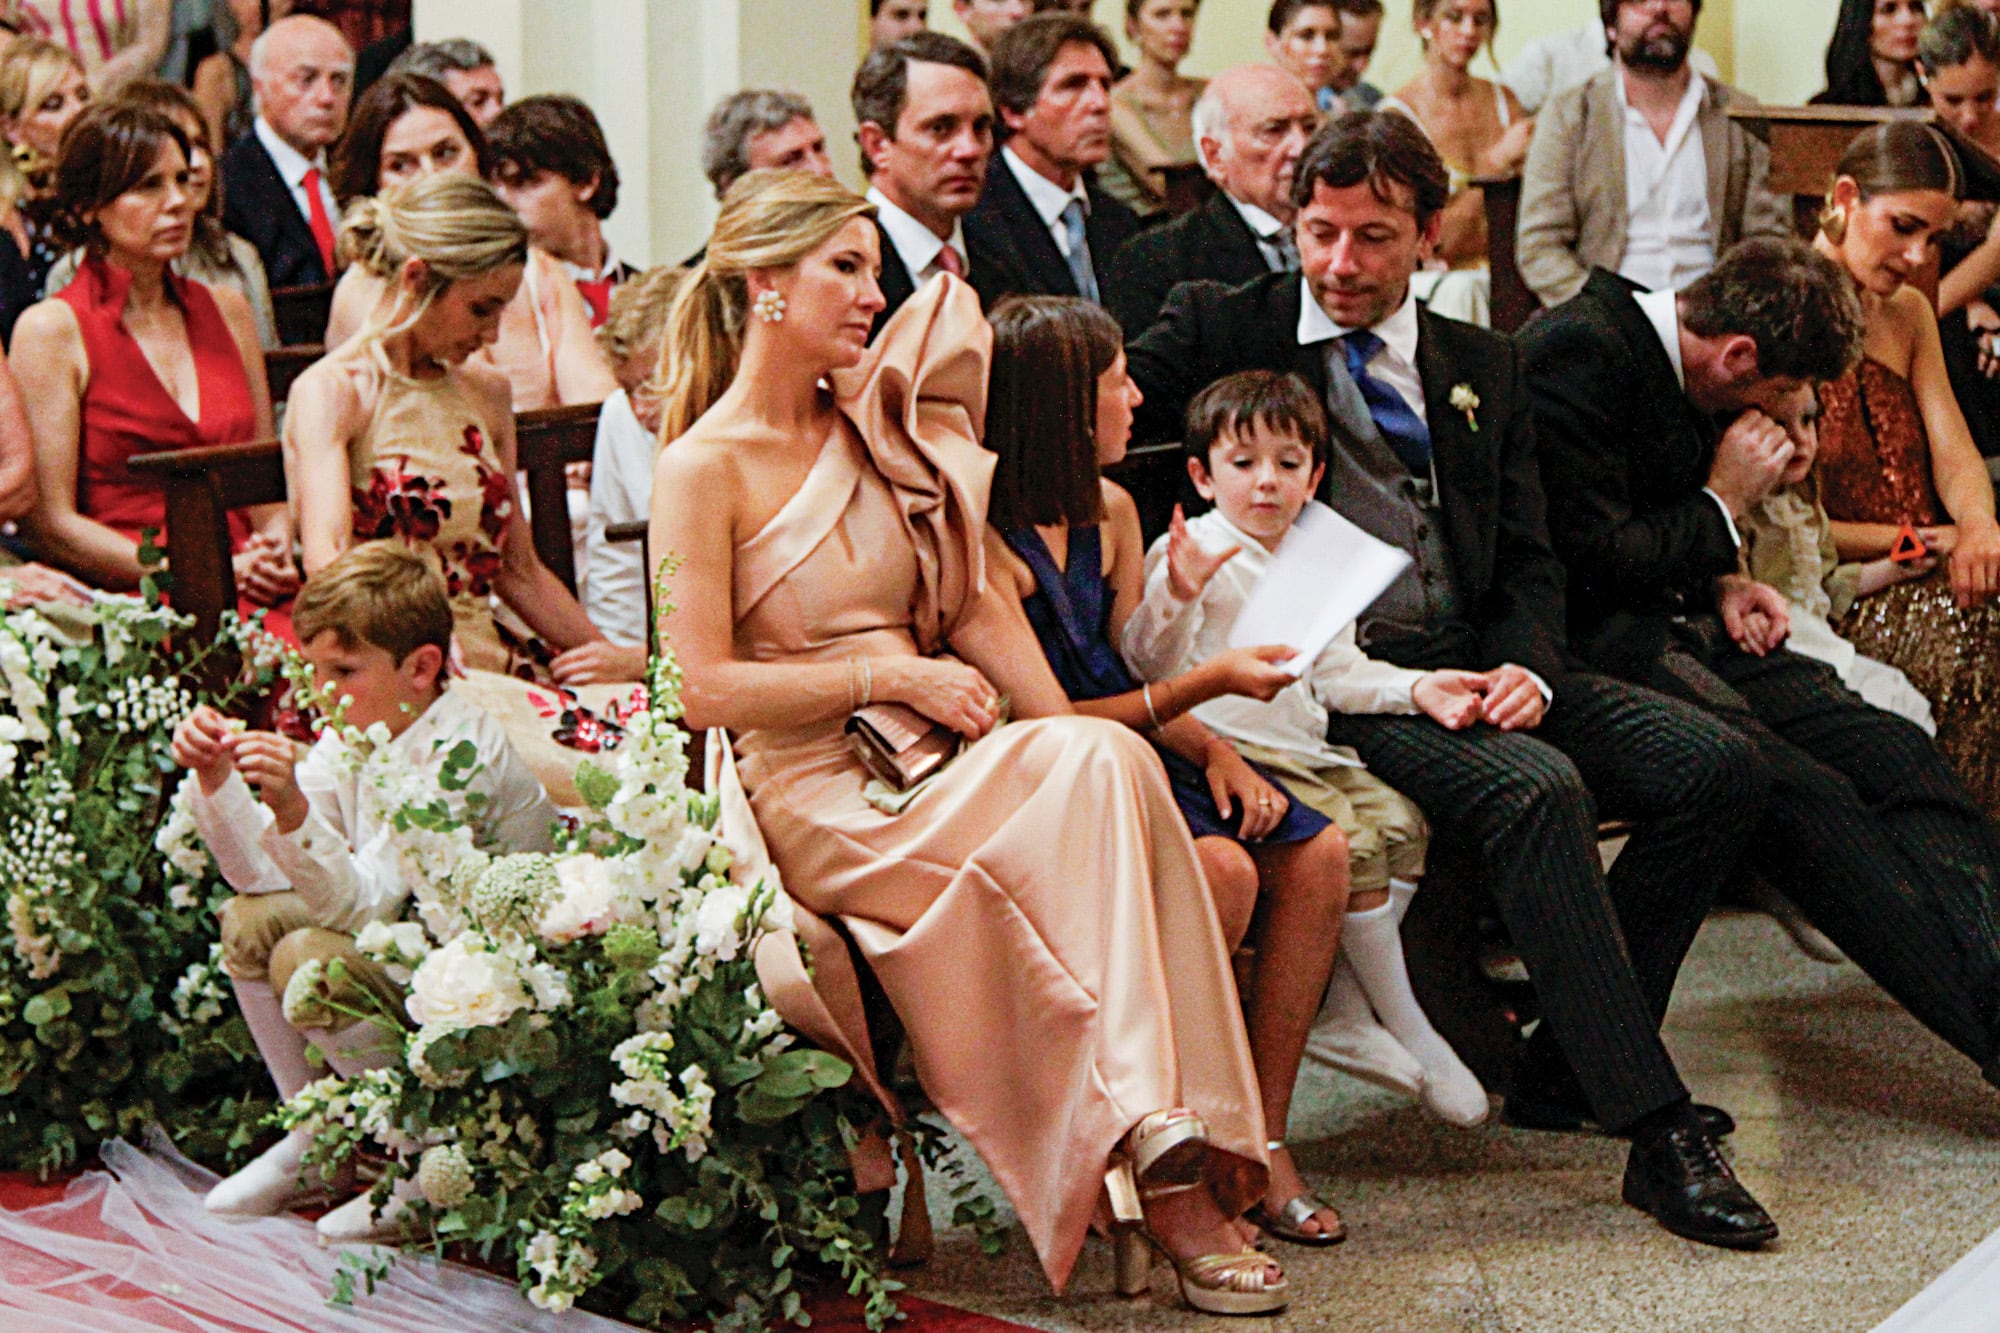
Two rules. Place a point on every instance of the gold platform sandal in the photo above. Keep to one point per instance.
(1167, 1148)
(1226, 1284)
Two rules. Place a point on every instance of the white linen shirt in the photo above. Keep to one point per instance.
(621, 491)
(1669, 233)
(292, 167)
(1166, 636)
(339, 861)
(916, 245)
(1047, 198)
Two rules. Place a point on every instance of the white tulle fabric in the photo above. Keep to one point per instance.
(132, 1250)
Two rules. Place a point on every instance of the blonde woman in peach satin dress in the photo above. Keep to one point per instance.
(1036, 916)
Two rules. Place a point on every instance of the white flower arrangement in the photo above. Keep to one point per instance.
(596, 1082)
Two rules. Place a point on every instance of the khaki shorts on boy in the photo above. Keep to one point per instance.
(270, 936)
(1386, 833)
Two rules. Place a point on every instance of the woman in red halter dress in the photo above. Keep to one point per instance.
(131, 359)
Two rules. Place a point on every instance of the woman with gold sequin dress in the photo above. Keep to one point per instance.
(1895, 451)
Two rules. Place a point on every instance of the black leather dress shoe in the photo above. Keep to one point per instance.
(1527, 1109)
(1680, 1178)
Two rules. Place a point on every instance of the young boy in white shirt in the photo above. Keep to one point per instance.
(309, 854)
(1256, 445)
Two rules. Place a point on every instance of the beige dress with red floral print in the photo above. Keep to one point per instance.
(425, 472)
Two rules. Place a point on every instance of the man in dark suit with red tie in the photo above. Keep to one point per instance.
(926, 132)
(276, 195)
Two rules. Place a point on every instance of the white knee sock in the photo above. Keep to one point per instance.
(1400, 893)
(1348, 1037)
(281, 1044)
(1373, 944)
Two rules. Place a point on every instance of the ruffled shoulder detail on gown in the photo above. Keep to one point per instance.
(918, 401)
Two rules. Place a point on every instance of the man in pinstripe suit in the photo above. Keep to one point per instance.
(1663, 417)
(1435, 454)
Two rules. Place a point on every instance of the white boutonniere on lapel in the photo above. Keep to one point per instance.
(1465, 400)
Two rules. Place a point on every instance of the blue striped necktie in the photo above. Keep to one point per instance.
(1394, 417)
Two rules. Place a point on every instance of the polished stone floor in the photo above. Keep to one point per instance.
(1875, 1147)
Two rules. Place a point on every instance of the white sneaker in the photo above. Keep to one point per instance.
(355, 1222)
(270, 1184)
(1368, 1053)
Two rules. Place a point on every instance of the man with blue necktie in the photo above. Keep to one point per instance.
(1434, 452)
(1042, 227)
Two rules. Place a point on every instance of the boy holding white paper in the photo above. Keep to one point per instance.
(1256, 445)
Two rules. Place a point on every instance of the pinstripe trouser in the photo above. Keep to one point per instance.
(1603, 950)
(1869, 832)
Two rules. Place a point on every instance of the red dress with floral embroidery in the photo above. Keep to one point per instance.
(425, 473)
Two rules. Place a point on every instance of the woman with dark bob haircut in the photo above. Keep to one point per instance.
(1058, 410)
(131, 358)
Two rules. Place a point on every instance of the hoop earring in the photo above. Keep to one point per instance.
(769, 307)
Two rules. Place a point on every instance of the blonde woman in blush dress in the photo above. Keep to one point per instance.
(1036, 916)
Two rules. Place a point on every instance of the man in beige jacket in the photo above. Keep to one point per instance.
(1640, 170)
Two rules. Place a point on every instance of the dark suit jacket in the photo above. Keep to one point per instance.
(1212, 242)
(1010, 250)
(1625, 459)
(258, 206)
(1489, 490)
(897, 286)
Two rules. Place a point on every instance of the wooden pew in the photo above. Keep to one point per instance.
(546, 441)
(283, 365)
(1157, 478)
(301, 313)
(1513, 304)
(203, 485)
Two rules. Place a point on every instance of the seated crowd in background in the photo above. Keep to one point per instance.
(1655, 541)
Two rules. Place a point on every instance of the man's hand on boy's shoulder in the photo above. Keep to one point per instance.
(202, 745)
(269, 762)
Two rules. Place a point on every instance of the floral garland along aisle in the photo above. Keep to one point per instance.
(114, 1011)
(596, 1088)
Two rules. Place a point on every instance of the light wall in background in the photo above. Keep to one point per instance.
(652, 69)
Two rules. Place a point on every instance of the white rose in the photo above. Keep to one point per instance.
(461, 985)
(588, 901)
(715, 922)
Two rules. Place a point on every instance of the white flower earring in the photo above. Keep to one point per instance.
(770, 306)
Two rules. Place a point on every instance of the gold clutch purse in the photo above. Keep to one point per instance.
(898, 744)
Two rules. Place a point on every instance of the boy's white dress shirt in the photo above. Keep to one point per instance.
(1166, 636)
(339, 860)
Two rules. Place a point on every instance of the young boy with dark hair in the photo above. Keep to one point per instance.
(309, 854)
(1256, 445)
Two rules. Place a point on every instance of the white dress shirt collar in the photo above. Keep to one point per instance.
(292, 165)
(1264, 228)
(578, 273)
(916, 245)
(1398, 332)
(1662, 311)
(1684, 114)
(1047, 198)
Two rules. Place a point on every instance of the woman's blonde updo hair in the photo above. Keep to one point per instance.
(453, 222)
(770, 219)
(30, 68)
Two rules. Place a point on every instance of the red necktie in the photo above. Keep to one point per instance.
(596, 293)
(316, 218)
(948, 260)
